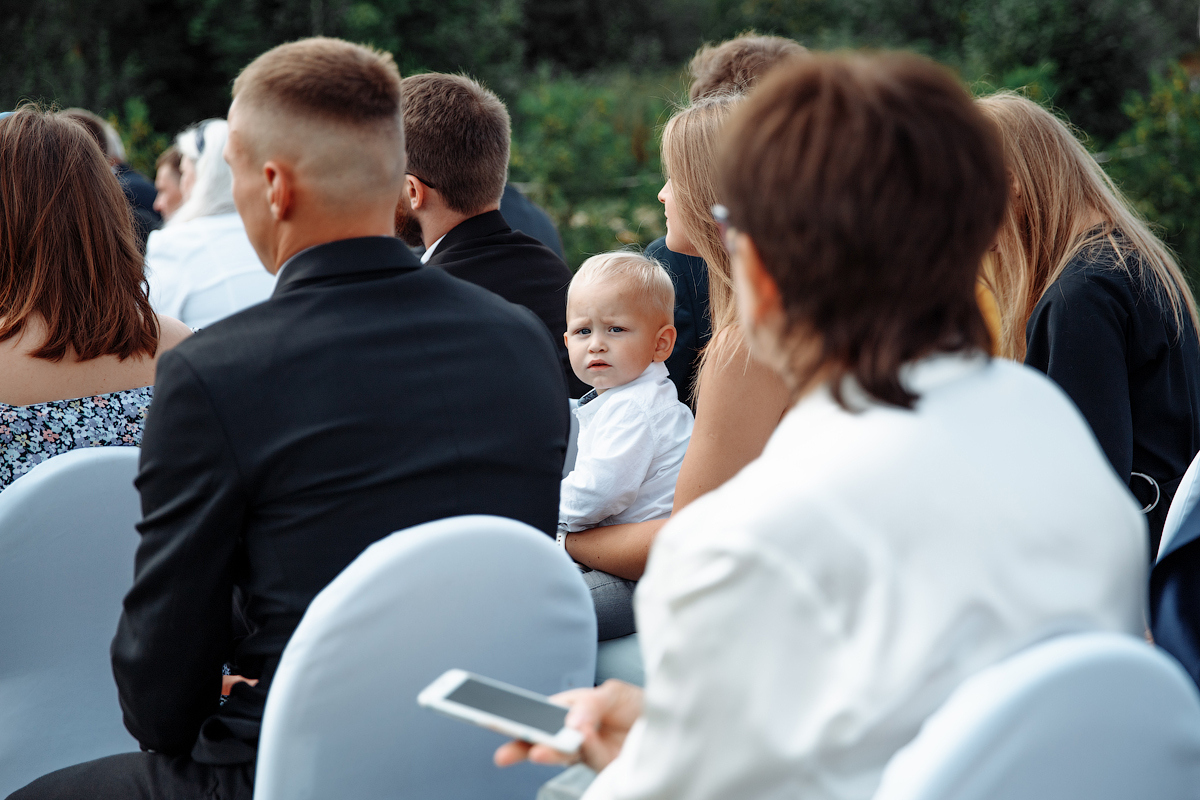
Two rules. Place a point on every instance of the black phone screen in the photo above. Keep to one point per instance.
(492, 700)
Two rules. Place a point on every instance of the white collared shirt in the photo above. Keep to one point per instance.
(428, 254)
(631, 442)
(799, 623)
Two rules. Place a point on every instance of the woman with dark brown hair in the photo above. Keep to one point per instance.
(921, 512)
(78, 339)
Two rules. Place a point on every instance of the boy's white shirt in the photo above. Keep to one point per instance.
(631, 443)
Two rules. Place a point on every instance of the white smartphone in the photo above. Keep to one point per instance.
(506, 709)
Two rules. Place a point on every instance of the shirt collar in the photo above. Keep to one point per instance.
(428, 254)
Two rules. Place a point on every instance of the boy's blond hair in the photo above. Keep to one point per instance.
(648, 277)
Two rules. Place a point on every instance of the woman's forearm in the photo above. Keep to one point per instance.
(619, 550)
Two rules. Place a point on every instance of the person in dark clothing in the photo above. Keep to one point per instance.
(456, 135)
(1175, 594)
(139, 190)
(523, 215)
(693, 322)
(1090, 297)
(286, 439)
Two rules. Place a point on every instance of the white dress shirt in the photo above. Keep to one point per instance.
(204, 269)
(799, 623)
(631, 442)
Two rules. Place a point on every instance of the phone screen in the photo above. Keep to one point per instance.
(534, 713)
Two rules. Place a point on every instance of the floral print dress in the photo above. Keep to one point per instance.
(31, 434)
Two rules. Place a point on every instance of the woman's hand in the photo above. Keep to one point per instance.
(603, 715)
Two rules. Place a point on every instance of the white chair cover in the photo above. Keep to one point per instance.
(67, 542)
(1185, 500)
(621, 659)
(1099, 716)
(572, 440)
(480, 593)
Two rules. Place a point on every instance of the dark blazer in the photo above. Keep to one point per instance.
(693, 322)
(1114, 348)
(487, 252)
(1175, 596)
(365, 396)
(524, 215)
(140, 192)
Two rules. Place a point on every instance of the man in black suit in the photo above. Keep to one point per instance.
(365, 396)
(457, 139)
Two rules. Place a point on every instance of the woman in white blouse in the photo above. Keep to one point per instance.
(201, 267)
(920, 513)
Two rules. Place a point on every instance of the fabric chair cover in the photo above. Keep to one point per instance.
(1185, 500)
(67, 542)
(572, 441)
(1099, 716)
(620, 658)
(480, 593)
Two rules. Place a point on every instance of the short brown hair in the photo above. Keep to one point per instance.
(737, 64)
(457, 135)
(326, 78)
(871, 186)
(67, 248)
(171, 158)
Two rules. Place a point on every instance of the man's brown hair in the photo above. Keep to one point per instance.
(67, 248)
(871, 187)
(737, 64)
(171, 158)
(457, 139)
(325, 78)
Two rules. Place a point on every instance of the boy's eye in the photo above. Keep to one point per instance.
(583, 331)
(615, 329)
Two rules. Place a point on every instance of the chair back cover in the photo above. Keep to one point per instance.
(572, 440)
(67, 542)
(1185, 500)
(1100, 716)
(480, 593)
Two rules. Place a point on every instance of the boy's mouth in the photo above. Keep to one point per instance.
(598, 364)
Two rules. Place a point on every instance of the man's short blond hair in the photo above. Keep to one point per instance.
(329, 79)
(333, 109)
(649, 279)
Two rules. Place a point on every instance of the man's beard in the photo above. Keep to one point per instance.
(408, 228)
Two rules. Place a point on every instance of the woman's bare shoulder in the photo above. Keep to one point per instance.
(170, 333)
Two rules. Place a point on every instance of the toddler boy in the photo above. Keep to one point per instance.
(633, 431)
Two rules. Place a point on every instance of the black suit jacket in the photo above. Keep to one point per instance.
(523, 215)
(140, 192)
(487, 252)
(365, 396)
(693, 322)
(1175, 596)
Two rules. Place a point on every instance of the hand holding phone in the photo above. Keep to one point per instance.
(503, 708)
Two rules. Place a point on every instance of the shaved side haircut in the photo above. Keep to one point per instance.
(333, 106)
(736, 65)
(457, 139)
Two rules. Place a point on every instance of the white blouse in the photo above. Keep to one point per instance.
(631, 443)
(204, 269)
(799, 623)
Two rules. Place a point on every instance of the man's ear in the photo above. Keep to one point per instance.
(415, 193)
(664, 342)
(280, 189)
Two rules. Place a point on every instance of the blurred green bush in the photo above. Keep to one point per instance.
(1157, 162)
(587, 151)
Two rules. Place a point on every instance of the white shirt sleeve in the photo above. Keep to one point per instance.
(609, 470)
(730, 629)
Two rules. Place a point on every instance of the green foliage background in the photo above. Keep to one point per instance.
(590, 83)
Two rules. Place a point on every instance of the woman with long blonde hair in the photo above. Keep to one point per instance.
(739, 401)
(1091, 297)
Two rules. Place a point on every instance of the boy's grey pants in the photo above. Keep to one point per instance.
(613, 599)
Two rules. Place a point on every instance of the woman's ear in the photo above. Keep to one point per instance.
(759, 300)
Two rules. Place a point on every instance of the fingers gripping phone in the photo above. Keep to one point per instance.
(506, 709)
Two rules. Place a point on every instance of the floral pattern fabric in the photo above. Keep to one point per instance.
(31, 434)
